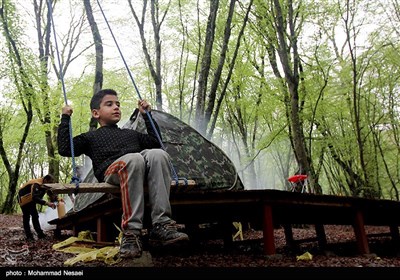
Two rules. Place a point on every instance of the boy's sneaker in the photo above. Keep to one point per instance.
(131, 245)
(165, 234)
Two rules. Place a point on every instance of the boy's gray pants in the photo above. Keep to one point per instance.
(132, 172)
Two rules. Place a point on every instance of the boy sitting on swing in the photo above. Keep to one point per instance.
(129, 159)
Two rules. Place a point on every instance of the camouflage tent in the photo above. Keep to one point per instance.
(193, 157)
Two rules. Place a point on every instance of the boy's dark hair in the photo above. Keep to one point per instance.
(98, 97)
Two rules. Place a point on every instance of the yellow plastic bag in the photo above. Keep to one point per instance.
(108, 254)
(82, 236)
(305, 257)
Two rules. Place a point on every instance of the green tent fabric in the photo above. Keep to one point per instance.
(193, 157)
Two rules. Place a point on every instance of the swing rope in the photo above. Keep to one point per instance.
(174, 174)
(75, 179)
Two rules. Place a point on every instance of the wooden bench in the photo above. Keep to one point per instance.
(267, 209)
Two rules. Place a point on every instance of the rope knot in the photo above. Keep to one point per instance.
(182, 178)
(75, 180)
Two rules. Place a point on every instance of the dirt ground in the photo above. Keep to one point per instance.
(15, 252)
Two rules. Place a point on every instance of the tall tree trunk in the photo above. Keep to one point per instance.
(43, 108)
(156, 21)
(285, 43)
(98, 43)
(217, 77)
(205, 69)
(25, 89)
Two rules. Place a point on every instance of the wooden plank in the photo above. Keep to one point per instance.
(290, 242)
(101, 229)
(321, 236)
(268, 231)
(62, 188)
(359, 231)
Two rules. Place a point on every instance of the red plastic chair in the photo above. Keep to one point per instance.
(298, 183)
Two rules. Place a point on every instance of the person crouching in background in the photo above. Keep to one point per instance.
(30, 194)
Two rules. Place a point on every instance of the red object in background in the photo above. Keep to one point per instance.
(297, 178)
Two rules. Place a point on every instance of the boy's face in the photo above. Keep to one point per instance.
(109, 112)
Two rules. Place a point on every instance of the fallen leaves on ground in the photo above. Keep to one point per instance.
(340, 252)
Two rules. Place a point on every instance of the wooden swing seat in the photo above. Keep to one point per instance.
(63, 188)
